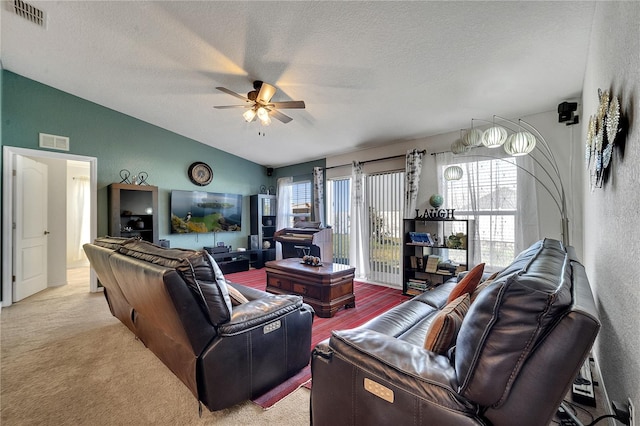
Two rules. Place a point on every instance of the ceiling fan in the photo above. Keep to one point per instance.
(258, 102)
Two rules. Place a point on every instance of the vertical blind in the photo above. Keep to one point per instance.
(384, 201)
(339, 205)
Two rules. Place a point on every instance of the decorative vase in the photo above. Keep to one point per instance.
(436, 201)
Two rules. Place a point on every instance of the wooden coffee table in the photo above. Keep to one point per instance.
(326, 288)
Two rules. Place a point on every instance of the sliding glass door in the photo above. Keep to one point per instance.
(384, 199)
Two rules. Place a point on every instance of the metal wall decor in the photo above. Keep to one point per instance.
(605, 130)
(436, 214)
(139, 179)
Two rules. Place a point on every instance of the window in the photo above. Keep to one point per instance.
(300, 202)
(488, 193)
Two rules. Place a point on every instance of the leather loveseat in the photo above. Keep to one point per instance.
(519, 346)
(226, 342)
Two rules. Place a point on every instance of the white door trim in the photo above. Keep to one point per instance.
(9, 153)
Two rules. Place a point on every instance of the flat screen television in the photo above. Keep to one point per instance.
(202, 212)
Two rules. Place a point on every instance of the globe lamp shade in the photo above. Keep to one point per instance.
(520, 143)
(458, 148)
(472, 138)
(453, 173)
(494, 137)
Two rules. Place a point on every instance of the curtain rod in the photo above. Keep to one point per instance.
(441, 152)
(424, 151)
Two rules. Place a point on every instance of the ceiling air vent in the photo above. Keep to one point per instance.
(29, 12)
(54, 142)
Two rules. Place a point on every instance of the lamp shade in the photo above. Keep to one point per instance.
(249, 115)
(472, 138)
(453, 173)
(494, 137)
(458, 148)
(263, 115)
(520, 143)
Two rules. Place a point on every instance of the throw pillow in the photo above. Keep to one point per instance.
(236, 297)
(444, 328)
(468, 283)
(484, 284)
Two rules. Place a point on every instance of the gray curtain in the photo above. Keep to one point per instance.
(412, 182)
(359, 232)
(283, 214)
(318, 195)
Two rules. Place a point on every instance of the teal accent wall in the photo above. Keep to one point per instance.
(119, 141)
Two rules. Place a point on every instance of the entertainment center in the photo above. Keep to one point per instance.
(239, 260)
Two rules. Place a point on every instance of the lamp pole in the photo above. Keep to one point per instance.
(559, 196)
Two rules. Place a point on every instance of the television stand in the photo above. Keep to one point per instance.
(238, 261)
(230, 261)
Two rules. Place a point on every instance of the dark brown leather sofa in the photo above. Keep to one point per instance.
(517, 352)
(177, 303)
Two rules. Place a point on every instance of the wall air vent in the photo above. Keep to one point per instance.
(60, 143)
(29, 12)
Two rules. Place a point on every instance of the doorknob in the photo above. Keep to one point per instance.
(46, 232)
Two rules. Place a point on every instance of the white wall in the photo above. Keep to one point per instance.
(611, 227)
(564, 142)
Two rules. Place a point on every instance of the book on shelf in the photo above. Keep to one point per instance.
(432, 263)
(414, 262)
(413, 292)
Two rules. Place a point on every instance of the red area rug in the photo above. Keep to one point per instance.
(371, 301)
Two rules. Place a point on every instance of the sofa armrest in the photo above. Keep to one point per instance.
(411, 385)
(257, 313)
(382, 354)
(248, 292)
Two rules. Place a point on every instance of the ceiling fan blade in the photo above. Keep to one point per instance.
(280, 116)
(287, 104)
(232, 106)
(232, 93)
(266, 93)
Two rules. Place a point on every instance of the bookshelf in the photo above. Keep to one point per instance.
(434, 250)
(263, 222)
(133, 211)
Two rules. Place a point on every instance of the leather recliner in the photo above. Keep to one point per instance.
(520, 346)
(178, 304)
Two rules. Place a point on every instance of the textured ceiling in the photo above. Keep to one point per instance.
(370, 72)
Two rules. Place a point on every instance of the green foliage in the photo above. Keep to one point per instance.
(211, 223)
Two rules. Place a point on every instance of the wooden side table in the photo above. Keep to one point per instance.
(326, 288)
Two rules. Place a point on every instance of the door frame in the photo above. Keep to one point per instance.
(8, 161)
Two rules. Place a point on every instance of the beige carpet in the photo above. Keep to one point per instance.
(66, 361)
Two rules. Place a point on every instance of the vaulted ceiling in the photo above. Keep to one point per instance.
(370, 73)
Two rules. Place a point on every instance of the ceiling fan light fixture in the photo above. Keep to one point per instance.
(494, 137)
(249, 115)
(521, 143)
(263, 115)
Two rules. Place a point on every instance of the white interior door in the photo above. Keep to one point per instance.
(30, 233)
